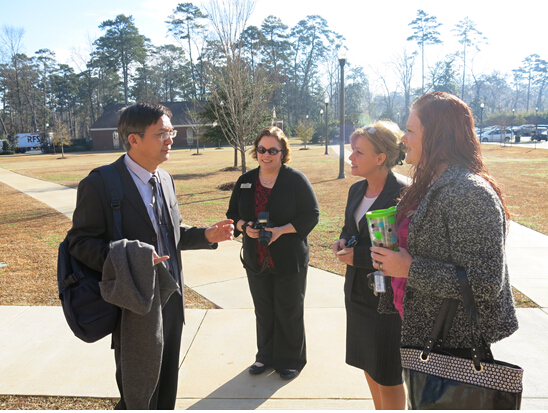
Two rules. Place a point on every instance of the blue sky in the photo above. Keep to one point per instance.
(375, 30)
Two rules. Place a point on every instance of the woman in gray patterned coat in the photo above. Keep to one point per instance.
(453, 214)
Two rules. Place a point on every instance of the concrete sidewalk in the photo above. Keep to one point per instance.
(40, 356)
(59, 197)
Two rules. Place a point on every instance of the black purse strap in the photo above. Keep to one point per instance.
(442, 324)
(481, 351)
(441, 327)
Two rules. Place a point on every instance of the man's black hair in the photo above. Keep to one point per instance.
(135, 119)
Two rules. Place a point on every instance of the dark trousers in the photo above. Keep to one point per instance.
(165, 395)
(279, 311)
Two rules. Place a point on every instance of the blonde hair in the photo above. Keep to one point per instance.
(385, 136)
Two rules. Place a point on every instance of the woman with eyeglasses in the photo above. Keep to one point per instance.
(372, 338)
(275, 208)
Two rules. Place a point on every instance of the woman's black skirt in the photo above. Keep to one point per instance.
(372, 339)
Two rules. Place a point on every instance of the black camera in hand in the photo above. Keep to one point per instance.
(261, 224)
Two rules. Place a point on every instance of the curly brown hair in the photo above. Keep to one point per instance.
(280, 136)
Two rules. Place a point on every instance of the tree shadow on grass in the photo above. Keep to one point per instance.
(321, 182)
(204, 200)
(188, 177)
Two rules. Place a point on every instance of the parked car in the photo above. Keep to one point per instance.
(527, 129)
(518, 130)
(540, 133)
(497, 135)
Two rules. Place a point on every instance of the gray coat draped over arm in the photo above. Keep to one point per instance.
(132, 282)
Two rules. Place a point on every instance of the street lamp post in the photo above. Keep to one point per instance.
(481, 122)
(326, 132)
(321, 115)
(342, 61)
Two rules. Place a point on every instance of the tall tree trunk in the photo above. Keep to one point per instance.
(3, 126)
(422, 47)
(242, 152)
(528, 92)
(463, 72)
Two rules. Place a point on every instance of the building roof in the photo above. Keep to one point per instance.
(180, 110)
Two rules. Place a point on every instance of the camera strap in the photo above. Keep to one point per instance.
(248, 267)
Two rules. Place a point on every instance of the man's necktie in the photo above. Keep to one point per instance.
(162, 224)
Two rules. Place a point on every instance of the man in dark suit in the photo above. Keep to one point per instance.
(147, 135)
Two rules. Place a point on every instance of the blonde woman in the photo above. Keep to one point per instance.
(373, 339)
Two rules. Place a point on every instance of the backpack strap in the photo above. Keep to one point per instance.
(115, 194)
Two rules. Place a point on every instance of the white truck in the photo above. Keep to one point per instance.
(27, 142)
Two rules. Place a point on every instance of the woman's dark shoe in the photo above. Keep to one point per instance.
(257, 368)
(289, 374)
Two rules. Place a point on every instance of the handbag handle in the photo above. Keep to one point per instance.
(441, 327)
(482, 352)
(444, 320)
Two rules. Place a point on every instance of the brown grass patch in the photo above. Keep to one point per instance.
(30, 233)
(523, 176)
(55, 403)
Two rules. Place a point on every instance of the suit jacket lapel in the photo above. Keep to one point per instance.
(354, 204)
(131, 193)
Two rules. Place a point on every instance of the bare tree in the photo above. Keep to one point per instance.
(239, 96)
(468, 36)
(197, 125)
(388, 96)
(528, 70)
(11, 41)
(403, 65)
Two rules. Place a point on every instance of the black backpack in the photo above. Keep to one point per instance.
(89, 316)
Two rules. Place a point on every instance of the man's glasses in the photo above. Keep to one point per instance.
(272, 151)
(163, 136)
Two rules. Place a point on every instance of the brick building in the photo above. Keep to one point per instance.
(105, 137)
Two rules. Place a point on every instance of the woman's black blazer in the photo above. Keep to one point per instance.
(293, 201)
(363, 264)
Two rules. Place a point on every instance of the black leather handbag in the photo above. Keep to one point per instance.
(438, 380)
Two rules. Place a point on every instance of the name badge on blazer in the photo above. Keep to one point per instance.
(245, 186)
